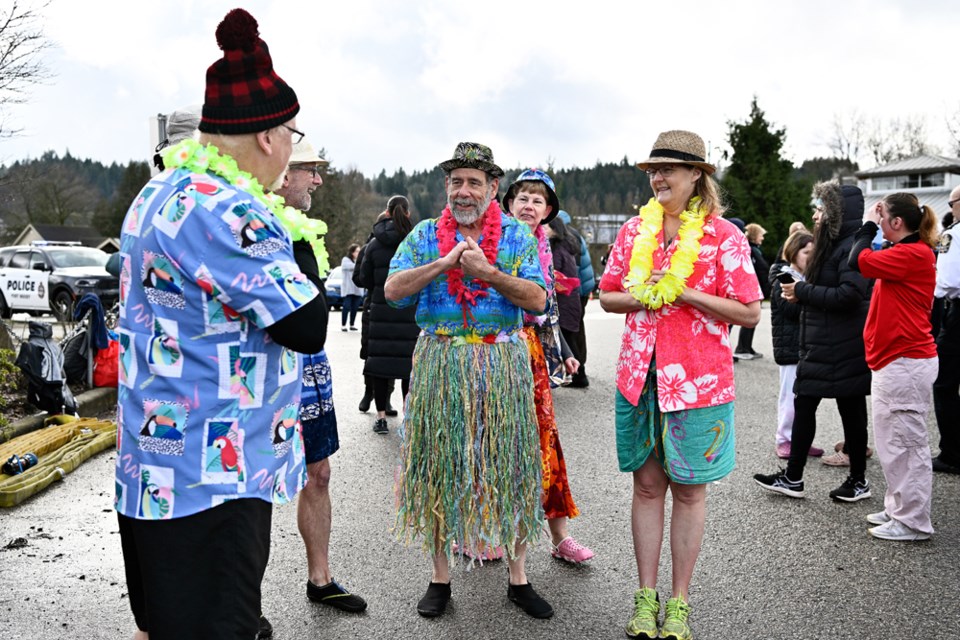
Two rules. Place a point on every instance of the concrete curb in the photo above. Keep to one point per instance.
(91, 403)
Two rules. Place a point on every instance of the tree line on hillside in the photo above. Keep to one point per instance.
(759, 185)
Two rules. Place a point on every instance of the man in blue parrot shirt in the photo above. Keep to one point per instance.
(213, 306)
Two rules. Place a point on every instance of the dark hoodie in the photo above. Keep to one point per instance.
(392, 332)
(835, 300)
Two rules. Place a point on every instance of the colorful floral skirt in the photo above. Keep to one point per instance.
(557, 499)
(469, 456)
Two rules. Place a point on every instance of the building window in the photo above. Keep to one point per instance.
(909, 181)
(931, 180)
(885, 183)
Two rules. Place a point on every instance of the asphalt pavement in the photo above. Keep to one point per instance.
(771, 567)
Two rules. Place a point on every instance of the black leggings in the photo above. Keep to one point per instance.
(745, 341)
(382, 388)
(853, 415)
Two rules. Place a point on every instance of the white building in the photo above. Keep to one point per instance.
(930, 178)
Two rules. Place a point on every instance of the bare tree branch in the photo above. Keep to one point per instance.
(22, 44)
(898, 138)
(953, 127)
(849, 135)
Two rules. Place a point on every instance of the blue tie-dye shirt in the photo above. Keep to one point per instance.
(208, 403)
(437, 311)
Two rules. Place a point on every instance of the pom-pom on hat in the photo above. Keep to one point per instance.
(243, 93)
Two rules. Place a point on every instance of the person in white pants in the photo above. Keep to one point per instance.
(903, 357)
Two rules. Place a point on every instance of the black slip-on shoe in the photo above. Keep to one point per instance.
(529, 600)
(434, 602)
(334, 595)
(941, 466)
(265, 632)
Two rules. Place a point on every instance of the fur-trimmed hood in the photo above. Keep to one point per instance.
(842, 207)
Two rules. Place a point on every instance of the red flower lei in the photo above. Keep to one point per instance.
(489, 244)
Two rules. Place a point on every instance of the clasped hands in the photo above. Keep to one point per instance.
(469, 257)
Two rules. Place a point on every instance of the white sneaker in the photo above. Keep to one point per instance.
(896, 530)
(880, 517)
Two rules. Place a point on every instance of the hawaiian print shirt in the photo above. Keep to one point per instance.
(694, 359)
(438, 313)
(208, 403)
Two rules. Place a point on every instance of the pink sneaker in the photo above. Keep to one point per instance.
(571, 551)
(783, 450)
(815, 452)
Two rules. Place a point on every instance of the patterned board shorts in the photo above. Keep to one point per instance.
(695, 446)
(319, 420)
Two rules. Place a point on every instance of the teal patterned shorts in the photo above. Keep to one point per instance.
(695, 446)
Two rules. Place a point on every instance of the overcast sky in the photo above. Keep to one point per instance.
(387, 84)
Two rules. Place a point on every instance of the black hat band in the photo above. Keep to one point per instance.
(676, 155)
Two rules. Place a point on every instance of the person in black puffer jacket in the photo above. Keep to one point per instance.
(834, 301)
(755, 234)
(785, 325)
(393, 332)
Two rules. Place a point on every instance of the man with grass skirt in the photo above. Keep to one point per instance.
(470, 455)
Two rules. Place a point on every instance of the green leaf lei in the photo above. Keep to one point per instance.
(197, 158)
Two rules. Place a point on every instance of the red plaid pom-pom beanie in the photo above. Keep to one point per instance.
(244, 94)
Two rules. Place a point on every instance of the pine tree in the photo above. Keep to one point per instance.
(759, 183)
(110, 213)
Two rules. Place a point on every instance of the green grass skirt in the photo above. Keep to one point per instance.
(470, 453)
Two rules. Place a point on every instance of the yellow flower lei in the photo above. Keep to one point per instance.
(673, 282)
(197, 158)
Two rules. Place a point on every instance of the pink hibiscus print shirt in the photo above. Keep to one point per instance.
(694, 358)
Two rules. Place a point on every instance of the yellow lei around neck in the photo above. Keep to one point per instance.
(674, 281)
(197, 158)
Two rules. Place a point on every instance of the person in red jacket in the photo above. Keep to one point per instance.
(903, 357)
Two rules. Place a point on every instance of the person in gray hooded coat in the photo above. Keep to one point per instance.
(835, 300)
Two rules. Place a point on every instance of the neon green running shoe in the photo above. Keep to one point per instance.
(646, 612)
(675, 625)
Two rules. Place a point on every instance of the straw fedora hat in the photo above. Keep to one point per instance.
(304, 153)
(678, 147)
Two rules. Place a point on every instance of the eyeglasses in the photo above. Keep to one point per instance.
(315, 170)
(950, 203)
(664, 172)
(299, 134)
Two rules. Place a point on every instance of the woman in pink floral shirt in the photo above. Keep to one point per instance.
(682, 274)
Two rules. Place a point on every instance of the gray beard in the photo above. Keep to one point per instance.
(468, 217)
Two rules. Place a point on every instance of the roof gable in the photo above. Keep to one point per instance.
(87, 236)
(916, 164)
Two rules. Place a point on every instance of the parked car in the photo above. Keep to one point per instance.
(51, 276)
(332, 288)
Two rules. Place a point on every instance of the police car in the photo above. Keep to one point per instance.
(46, 277)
